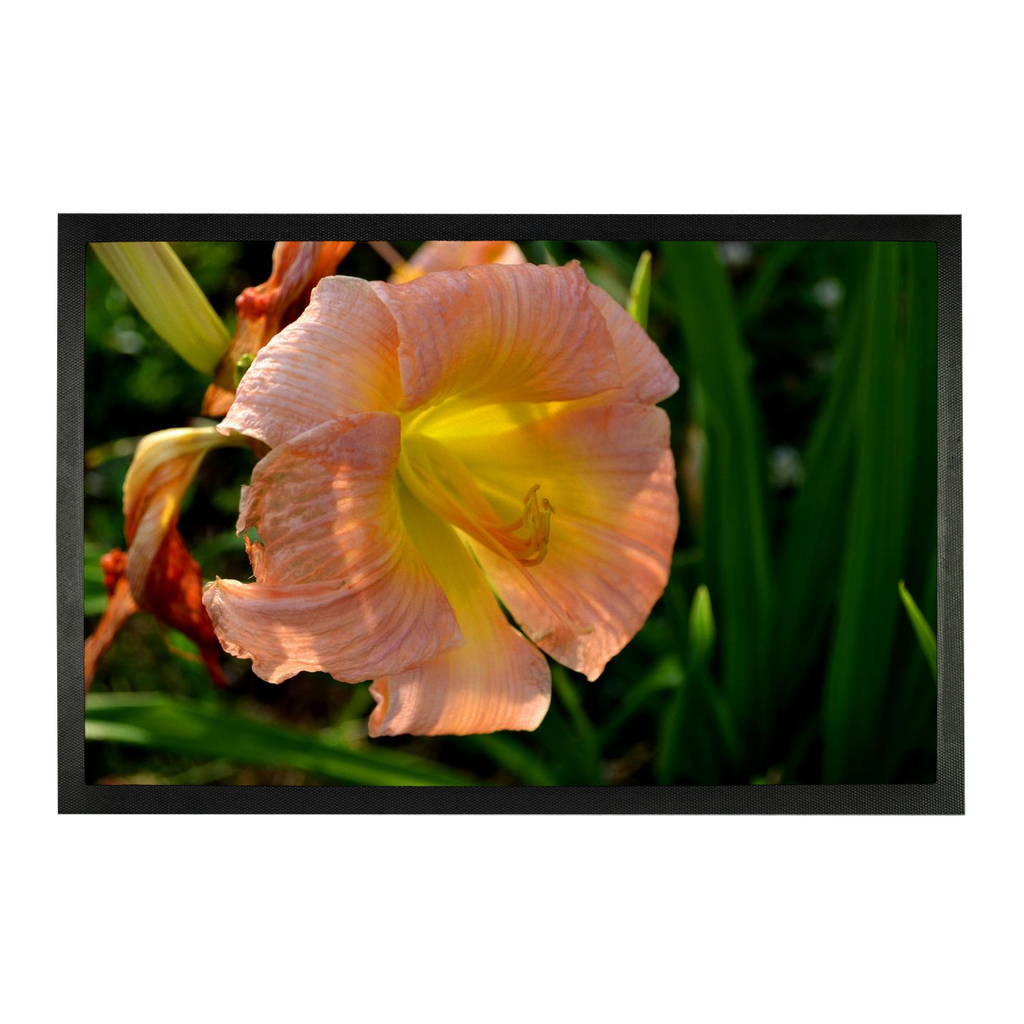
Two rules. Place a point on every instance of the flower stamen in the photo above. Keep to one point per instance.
(536, 519)
(442, 482)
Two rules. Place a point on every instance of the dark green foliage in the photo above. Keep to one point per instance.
(735, 531)
(205, 729)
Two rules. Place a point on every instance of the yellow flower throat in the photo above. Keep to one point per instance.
(441, 481)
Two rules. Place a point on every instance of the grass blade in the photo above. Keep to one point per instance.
(912, 725)
(209, 730)
(812, 553)
(735, 543)
(921, 417)
(857, 677)
(922, 630)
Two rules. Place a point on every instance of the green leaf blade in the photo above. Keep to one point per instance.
(922, 630)
(857, 674)
(735, 544)
(167, 296)
(210, 730)
(812, 552)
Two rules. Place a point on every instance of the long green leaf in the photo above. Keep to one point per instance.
(164, 292)
(855, 686)
(735, 544)
(920, 407)
(209, 730)
(922, 630)
(812, 554)
(912, 709)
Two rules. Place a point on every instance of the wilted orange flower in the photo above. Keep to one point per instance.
(493, 426)
(262, 311)
(158, 574)
(120, 607)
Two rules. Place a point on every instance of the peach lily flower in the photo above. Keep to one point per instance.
(423, 436)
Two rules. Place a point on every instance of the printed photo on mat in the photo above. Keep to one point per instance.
(510, 513)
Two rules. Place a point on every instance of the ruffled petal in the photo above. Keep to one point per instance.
(339, 586)
(610, 475)
(500, 334)
(496, 680)
(646, 375)
(432, 257)
(340, 357)
(264, 310)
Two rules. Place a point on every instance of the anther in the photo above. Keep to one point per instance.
(536, 520)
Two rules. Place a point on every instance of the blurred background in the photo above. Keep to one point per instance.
(782, 651)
